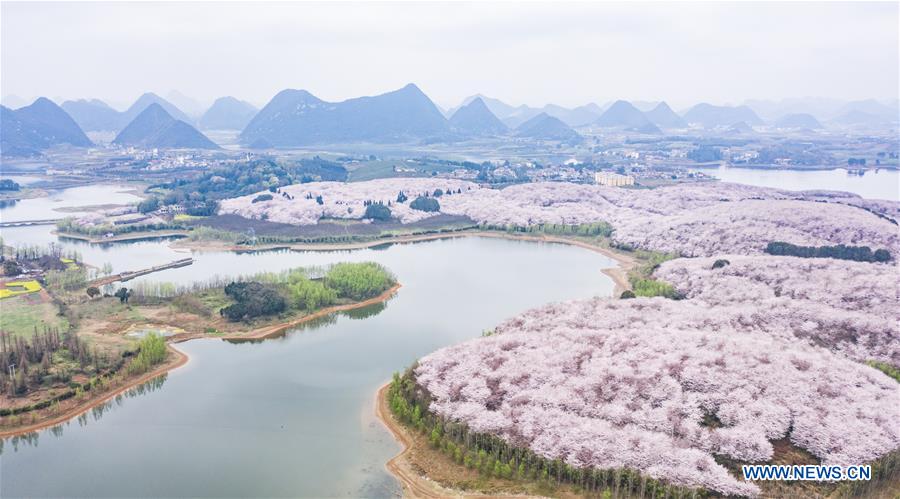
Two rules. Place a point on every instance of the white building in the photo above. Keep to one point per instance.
(613, 179)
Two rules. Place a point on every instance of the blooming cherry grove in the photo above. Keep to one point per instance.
(768, 347)
(849, 307)
(568, 384)
(689, 219)
(340, 200)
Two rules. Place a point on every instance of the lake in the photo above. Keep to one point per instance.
(880, 184)
(47, 207)
(293, 416)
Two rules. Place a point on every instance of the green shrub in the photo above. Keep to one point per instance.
(652, 287)
(839, 252)
(718, 264)
(311, 295)
(358, 281)
(151, 351)
(378, 212)
(253, 299)
(425, 204)
(886, 368)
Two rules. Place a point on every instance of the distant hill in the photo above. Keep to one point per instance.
(816, 106)
(581, 115)
(663, 117)
(476, 119)
(498, 108)
(798, 120)
(622, 114)
(522, 114)
(513, 116)
(870, 107)
(296, 117)
(189, 105)
(155, 127)
(93, 115)
(144, 101)
(227, 113)
(710, 116)
(867, 112)
(546, 127)
(96, 116)
(29, 130)
(857, 117)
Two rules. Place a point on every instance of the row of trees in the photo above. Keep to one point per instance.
(840, 252)
(601, 229)
(31, 359)
(37, 252)
(70, 225)
(493, 456)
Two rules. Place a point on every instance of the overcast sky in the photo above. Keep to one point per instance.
(568, 54)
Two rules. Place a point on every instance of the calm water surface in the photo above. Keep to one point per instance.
(47, 207)
(883, 184)
(291, 416)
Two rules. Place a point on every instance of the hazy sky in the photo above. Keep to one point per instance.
(568, 54)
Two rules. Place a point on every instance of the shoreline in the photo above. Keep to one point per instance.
(411, 483)
(182, 359)
(618, 274)
(134, 236)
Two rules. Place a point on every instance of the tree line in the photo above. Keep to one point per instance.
(839, 252)
(493, 456)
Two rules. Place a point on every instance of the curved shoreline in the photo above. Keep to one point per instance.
(182, 358)
(414, 484)
(618, 274)
(409, 483)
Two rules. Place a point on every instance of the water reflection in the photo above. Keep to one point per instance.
(94, 414)
(292, 416)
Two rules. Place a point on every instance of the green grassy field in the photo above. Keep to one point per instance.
(21, 314)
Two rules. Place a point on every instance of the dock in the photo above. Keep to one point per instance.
(23, 223)
(127, 276)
